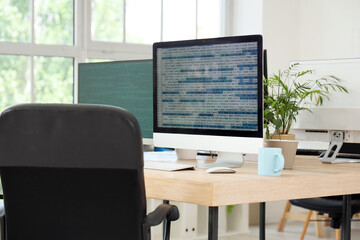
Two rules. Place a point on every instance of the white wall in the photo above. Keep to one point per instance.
(308, 30)
(329, 29)
(247, 17)
(281, 39)
(281, 32)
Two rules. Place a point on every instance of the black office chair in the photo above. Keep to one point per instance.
(333, 206)
(74, 172)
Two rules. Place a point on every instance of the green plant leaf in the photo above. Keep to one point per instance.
(292, 91)
(229, 209)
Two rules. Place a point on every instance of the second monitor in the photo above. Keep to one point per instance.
(208, 95)
(126, 84)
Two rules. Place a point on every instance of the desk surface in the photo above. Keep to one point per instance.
(308, 178)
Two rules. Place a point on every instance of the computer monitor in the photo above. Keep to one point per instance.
(336, 121)
(208, 95)
(126, 84)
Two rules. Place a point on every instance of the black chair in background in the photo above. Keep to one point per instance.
(74, 172)
(333, 206)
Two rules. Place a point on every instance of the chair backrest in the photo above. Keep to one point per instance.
(71, 171)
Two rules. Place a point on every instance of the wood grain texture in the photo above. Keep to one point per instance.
(308, 178)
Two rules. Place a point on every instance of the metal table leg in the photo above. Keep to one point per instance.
(213, 223)
(262, 221)
(346, 218)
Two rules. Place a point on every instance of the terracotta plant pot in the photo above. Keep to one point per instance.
(288, 148)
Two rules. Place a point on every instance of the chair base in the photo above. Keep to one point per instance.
(304, 217)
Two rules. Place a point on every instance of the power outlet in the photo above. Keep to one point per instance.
(337, 136)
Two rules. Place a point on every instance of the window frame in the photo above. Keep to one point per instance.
(31, 49)
(84, 47)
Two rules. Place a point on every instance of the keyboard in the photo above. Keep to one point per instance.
(167, 166)
(348, 155)
(315, 152)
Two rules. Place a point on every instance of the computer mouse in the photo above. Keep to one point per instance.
(220, 170)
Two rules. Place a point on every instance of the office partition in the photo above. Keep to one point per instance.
(126, 84)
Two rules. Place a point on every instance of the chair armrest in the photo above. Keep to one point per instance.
(162, 212)
(2, 220)
(2, 210)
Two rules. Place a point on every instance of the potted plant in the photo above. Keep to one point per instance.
(288, 93)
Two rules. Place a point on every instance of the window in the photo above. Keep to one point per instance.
(143, 24)
(36, 41)
(53, 22)
(179, 18)
(208, 23)
(146, 22)
(52, 83)
(42, 41)
(15, 21)
(107, 20)
(14, 79)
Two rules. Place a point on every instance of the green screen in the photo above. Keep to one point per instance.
(126, 84)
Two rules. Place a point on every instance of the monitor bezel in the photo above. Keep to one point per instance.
(212, 41)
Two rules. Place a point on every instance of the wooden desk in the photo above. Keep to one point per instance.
(308, 178)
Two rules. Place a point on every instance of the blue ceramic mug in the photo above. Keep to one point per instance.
(270, 162)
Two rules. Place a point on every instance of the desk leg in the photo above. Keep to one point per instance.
(262, 221)
(165, 222)
(213, 223)
(346, 218)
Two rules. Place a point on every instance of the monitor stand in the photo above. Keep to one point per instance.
(330, 156)
(225, 159)
(186, 154)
